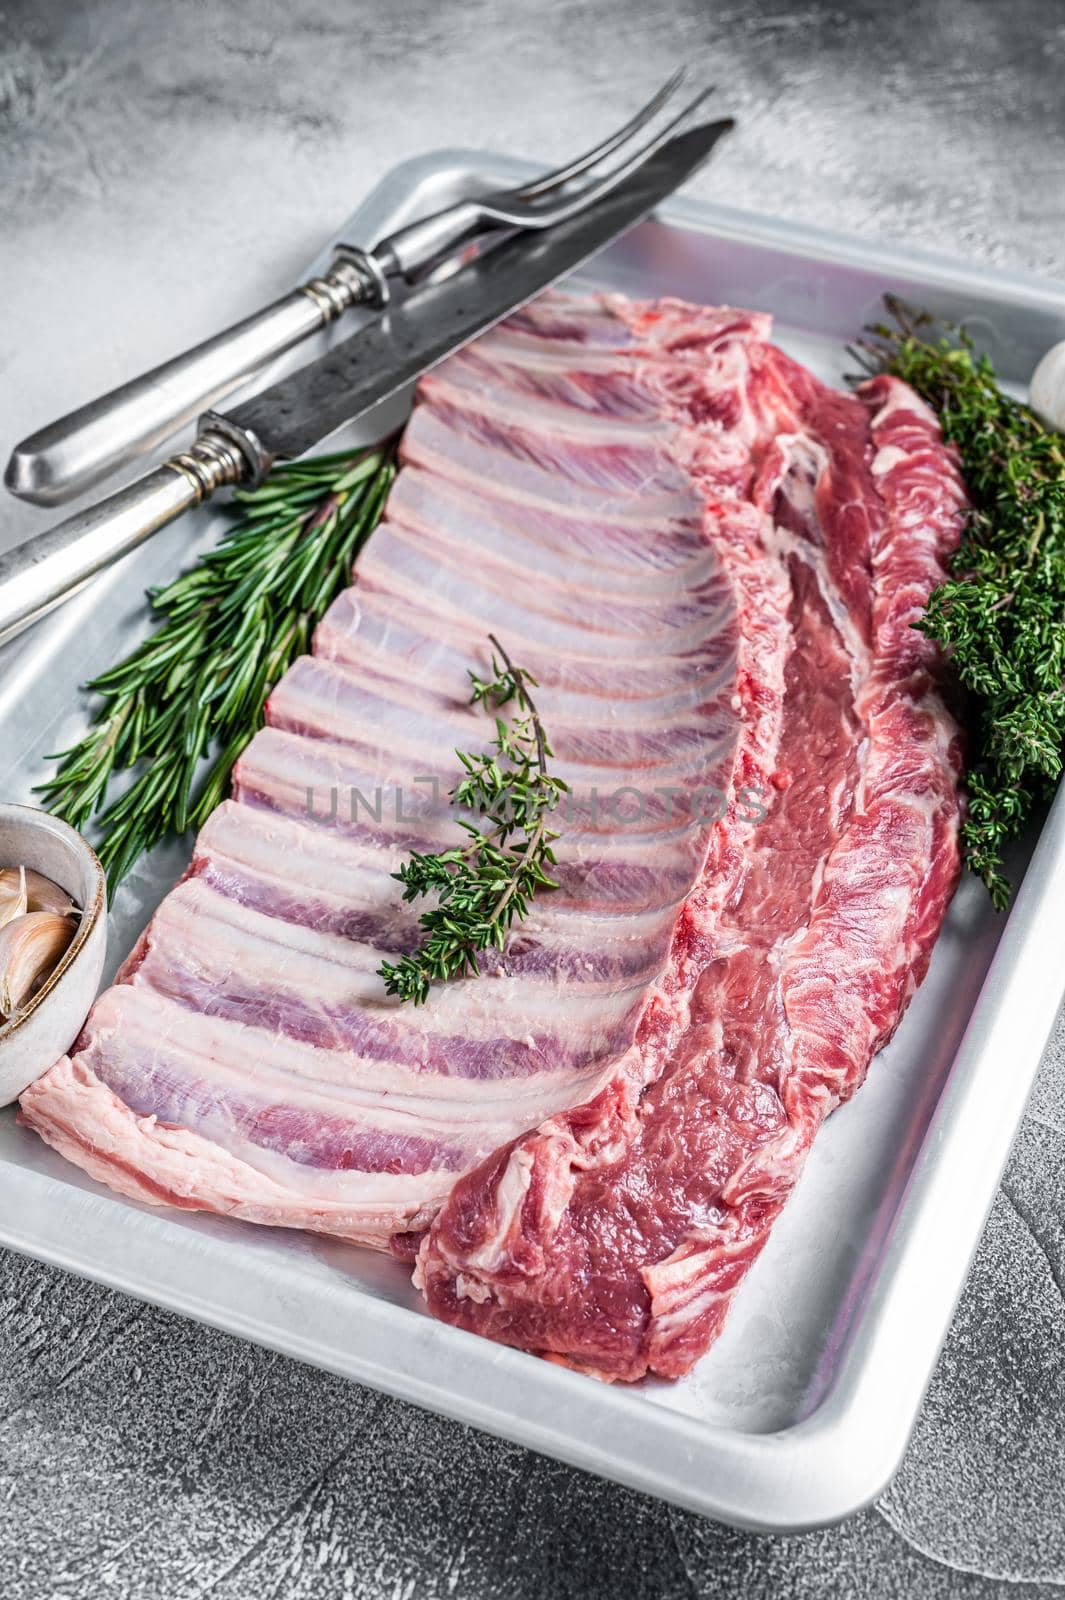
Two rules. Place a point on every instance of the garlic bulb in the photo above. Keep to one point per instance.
(13, 899)
(1046, 392)
(30, 948)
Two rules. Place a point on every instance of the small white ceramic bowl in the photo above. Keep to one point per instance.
(48, 1025)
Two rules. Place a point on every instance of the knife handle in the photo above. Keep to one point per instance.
(86, 446)
(50, 567)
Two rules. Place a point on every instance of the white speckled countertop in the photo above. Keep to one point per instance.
(162, 168)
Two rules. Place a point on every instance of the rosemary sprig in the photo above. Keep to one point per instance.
(196, 687)
(1001, 615)
(482, 887)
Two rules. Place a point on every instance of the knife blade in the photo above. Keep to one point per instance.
(408, 340)
(285, 420)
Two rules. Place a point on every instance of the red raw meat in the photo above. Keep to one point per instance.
(613, 1236)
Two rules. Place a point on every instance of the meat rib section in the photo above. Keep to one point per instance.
(710, 562)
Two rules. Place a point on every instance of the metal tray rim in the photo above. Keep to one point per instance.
(738, 222)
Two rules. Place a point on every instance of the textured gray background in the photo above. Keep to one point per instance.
(162, 167)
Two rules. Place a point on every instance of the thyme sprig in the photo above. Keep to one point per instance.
(1000, 616)
(482, 887)
(231, 625)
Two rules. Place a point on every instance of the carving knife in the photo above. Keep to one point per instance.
(288, 418)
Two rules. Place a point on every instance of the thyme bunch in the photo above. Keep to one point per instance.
(483, 886)
(1000, 616)
(230, 626)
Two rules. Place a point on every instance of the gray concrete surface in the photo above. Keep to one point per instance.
(163, 166)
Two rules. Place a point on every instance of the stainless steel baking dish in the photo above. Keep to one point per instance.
(801, 1412)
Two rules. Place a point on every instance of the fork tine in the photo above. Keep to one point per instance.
(572, 169)
(561, 210)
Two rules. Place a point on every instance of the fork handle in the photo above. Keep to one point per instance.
(46, 570)
(413, 250)
(86, 446)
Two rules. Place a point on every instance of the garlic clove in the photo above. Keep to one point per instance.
(44, 895)
(13, 900)
(30, 948)
(1046, 392)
